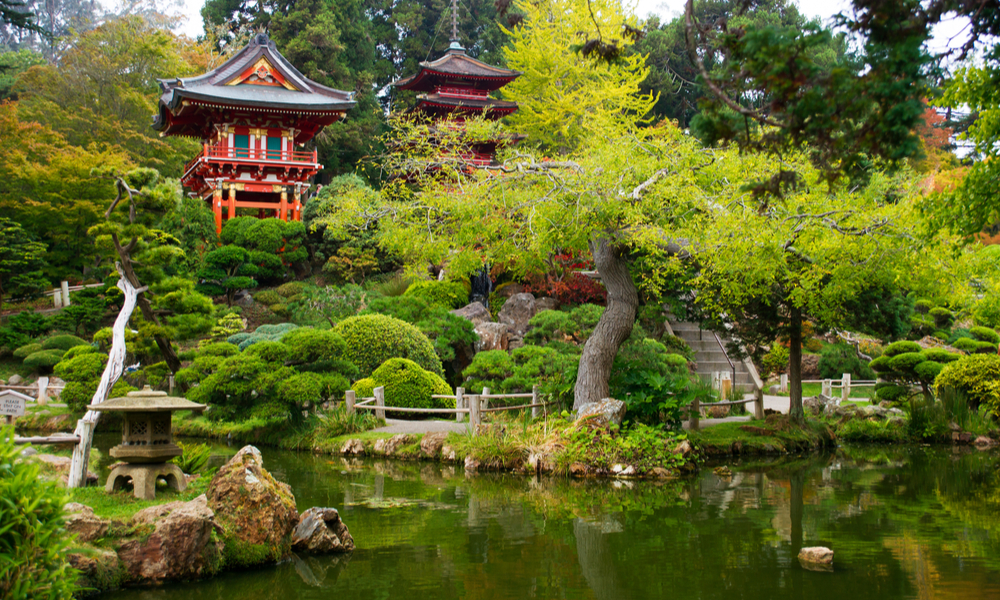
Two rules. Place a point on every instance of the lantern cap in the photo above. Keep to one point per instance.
(147, 400)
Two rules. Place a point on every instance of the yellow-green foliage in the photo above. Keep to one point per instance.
(449, 294)
(977, 376)
(406, 385)
(373, 339)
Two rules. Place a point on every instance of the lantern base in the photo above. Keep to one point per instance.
(158, 453)
(144, 478)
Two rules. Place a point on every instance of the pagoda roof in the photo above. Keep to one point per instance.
(469, 104)
(457, 67)
(256, 79)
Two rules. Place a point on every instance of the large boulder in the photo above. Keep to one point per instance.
(320, 530)
(430, 445)
(492, 336)
(15, 380)
(181, 546)
(605, 413)
(816, 558)
(389, 446)
(257, 512)
(475, 312)
(82, 521)
(516, 313)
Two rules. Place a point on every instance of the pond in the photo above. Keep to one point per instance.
(913, 523)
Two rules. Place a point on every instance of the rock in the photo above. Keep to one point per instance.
(623, 470)
(816, 556)
(545, 303)
(353, 447)
(510, 289)
(962, 437)
(29, 451)
(98, 567)
(492, 336)
(448, 453)
(15, 379)
(82, 521)
(881, 412)
(56, 382)
(181, 545)
(984, 442)
(895, 412)
(389, 446)
(541, 462)
(430, 445)
(475, 312)
(577, 469)
(516, 313)
(253, 506)
(810, 366)
(60, 464)
(684, 449)
(605, 413)
(661, 473)
(321, 530)
(955, 427)
(867, 411)
(774, 390)
(471, 464)
(722, 471)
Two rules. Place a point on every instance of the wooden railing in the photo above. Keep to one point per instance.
(223, 152)
(474, 405)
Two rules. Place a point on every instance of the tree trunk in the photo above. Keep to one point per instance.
(795, 412)
(614, 326)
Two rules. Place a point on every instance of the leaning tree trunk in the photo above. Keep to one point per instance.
(795, 412)
(614, 326)
(112, 371)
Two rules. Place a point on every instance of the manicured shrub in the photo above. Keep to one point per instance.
(942, 317)
(27, 349)
(274, 352)
(923, 306)
(907, 361)
(272, 333)
(975, 346)
(43, 360)
(291, 289)
(892, 393)
(82, 367)
(322, 351)
(373, 339)
(901, 347)
(11, 340)
(551, 325)
(488, 369)
(78, 394)
(940, 355)
(30, 324)
(881, 364)
(928, 370)
(985, 334)
(977, 376)
(267, 297)
(406, 385)
(34, 544)
(449, 294)
(236, 338)
(837, 359)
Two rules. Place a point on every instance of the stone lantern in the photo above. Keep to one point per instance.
(147, 443)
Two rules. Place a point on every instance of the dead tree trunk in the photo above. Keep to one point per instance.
(795, 412)
(613, 328)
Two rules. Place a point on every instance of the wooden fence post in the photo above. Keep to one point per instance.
(380, 402)
(827, 388)
(170, 384)
(65, 293)
(474, 414)
(486, 401)
(783, 383)
(43, 391)
(536, 411)
(349, 401)
(758, 404)
(460, 403)
(845, 390)
(694, 413)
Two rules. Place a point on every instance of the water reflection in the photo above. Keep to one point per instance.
(914, 524)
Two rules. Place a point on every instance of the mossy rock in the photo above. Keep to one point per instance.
(406, 384)
(374, 339)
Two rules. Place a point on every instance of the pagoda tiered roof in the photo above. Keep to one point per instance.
(457, 68)
(257, 80)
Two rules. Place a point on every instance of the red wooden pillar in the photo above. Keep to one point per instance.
(231, 213)
(297, 207)
(217, 209)
(283, 207)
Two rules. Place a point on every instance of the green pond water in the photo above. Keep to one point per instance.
(913, 523)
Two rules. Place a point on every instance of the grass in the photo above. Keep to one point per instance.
(12, 366)
(122, 505)
(813, 389)
(774, 435)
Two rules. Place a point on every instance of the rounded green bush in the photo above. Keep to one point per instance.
(83, 367)
(79, 351)
(43, 361)
(941, 356)
(27, 349)
(942, 316)
(374, 339)
(985, 334)
(966, 345)
(893, 393)
(63, 342)
(928, 370)
(882, 364)
(267, 297)
(906, 361)
(923, 306)
(901, 347)
(449, 294)
(977, 376)
(236, 338)
(488, 369)
(406, 385)
(275, 352)
(292, 288)
(986, 348)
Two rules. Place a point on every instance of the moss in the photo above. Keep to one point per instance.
(238, 553)
(775, 435)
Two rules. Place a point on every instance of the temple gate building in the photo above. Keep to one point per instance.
(252, 114)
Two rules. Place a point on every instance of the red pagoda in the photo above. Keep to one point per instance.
(251, 114)
(457, 85)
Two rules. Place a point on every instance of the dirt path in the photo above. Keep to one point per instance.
(403, 426)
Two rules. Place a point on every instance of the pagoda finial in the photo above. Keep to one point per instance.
(455, 46)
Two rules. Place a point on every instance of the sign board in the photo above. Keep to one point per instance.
(12, 403)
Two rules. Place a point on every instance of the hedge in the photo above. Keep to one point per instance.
(374, 339)
(406, 385)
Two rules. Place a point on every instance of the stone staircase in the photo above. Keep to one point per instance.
(710, 356)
